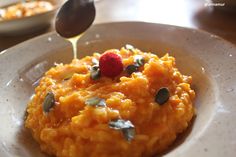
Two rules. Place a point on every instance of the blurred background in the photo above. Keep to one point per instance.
(217, 17)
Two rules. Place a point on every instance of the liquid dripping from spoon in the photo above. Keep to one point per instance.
(73, 19)
(73, 42)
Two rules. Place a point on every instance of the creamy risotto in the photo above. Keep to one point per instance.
(122, 103)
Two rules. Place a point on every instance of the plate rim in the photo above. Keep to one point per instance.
(122, 22)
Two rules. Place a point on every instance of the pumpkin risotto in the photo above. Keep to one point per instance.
(123, 103)
(24, 9)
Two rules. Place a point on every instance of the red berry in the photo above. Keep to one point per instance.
(110, 64)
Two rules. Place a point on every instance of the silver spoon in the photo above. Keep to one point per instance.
(74, 17)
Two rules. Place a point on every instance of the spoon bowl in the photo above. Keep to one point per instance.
(74, 17)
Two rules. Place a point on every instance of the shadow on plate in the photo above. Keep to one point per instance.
(180, 139)
(26, 140)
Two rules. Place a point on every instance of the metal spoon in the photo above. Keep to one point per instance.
(74, 17)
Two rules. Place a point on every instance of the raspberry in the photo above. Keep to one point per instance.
(110, 64)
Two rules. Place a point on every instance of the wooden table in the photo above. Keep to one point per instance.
(186, 13)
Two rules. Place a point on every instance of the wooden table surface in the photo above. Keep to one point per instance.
(186, 13)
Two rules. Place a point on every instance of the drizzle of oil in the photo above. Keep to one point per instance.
(73, 42)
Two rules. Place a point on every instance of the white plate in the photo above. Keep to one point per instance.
(29, 24)
(209, 59)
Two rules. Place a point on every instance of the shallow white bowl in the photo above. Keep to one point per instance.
(209, 59)
(29, 24)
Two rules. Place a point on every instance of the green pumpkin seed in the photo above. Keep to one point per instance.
(139, 60)
(95, 61)
(129, 47)
(68, 76)
(95, 72)
(125, 126)
(131, 68)
(162, 96)
(49, 102)
(96, 101)
(94, 68)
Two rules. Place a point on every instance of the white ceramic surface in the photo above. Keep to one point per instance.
(29, 24)
(209, 59)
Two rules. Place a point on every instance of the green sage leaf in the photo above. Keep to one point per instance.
(96, 101)
(125, 126)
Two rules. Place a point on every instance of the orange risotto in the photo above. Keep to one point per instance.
(25, 9)
(77, 111)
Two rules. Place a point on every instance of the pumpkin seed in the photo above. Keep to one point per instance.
(139, 60)
(96, 101)
(49, 102)
(95, 72)
(126, 127)
(129, 47)
(162, 96)
(131, 68)
(94, 67)
(68, 76)
(95, 61)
